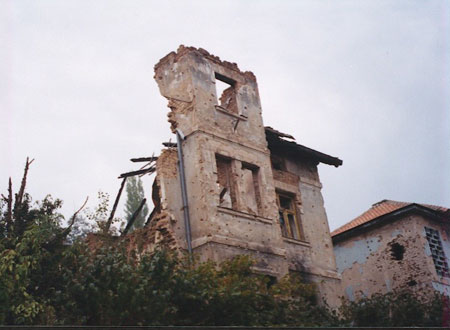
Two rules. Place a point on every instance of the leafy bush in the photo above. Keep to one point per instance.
(400, 308)
(109, 287)
(46, 281)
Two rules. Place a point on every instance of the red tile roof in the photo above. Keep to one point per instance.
(377, 210)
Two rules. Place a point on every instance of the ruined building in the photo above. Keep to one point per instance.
(394, 245)
(241, 188)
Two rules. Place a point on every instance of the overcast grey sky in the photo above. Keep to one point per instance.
(367, 81)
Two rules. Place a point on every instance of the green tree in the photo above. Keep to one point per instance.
(30, 239)
(135, 195)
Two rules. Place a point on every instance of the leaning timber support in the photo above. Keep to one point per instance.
(113, 211)
(133, 217)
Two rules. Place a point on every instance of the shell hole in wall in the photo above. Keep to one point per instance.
(397, 251)
(412, 283)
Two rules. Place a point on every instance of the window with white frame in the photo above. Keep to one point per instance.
(437, 252)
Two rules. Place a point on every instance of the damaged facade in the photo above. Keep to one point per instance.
(250, 189)
(394, 245)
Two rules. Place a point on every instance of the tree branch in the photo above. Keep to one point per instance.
(74, 216)
(19, 195)
(9, 202)
(67, 230)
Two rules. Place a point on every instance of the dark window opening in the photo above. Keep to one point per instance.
(437, 252)
(227, 196)
(226, 93)
(397, 251)
(277, 163)
(289, 222)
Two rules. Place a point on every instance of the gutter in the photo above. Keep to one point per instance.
(187, 220)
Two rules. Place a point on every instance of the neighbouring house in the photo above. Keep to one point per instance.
(241, 188)
(394, 245)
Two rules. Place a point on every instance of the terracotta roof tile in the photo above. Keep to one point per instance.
(379, 209)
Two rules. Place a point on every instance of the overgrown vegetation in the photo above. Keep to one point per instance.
(48, 279)
(395, 309)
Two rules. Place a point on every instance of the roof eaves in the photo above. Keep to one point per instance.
(274, 139)
(436, 215)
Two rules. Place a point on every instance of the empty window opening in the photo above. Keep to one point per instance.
(224, 181)
(277, 163)
(437, 252)
(397, 251)
(251, 190)
(289, 222)
(226, 93)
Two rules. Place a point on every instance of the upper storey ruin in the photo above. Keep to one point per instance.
(241, 187)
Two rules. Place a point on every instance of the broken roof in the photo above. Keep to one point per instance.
(386, 209)
(276, 141)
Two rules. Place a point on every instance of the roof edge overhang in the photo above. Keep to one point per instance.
(391, 217)
(275, 141)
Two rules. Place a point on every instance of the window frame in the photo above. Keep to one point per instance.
(234, 110)
(292, 210)
(434, 240)
(230, 184)
(256, 181)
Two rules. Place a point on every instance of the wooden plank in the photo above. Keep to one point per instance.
(144, 159)
(169, 144)
(113, 211)
(133, 217)
(138, 172)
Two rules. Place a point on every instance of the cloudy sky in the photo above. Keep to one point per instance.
(367, 81)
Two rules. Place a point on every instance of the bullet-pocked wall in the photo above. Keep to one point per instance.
(396, 255)
(237, 203)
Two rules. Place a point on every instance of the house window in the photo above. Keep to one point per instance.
(250, 188)
(437, 252)
(226, 93)
(289, 222)
(227, 196)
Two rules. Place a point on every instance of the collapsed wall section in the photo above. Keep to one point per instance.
(190, 79)
(163, 229)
